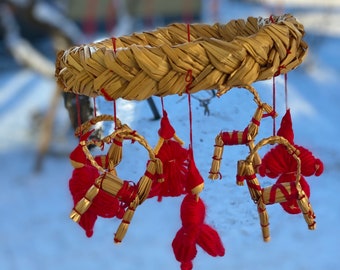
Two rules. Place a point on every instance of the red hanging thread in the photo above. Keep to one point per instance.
(274, 105)
(286, 90)
(278, 163)
(94, 107)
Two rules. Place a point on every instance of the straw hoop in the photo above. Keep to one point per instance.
(220, 56)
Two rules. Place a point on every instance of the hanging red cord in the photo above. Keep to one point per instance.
(188, 79)
(286, 91)
(274, 105)
(94, 107)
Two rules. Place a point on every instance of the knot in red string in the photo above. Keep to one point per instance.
(166, 130)
(127, 192)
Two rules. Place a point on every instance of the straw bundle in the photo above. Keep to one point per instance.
(219, 56)
(264, 220)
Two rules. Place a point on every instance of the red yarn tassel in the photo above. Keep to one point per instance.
(175, 171)
(175, 162)
(195, 231)
(83, 177)
(210, 241)
(81, 180)
(195, 181)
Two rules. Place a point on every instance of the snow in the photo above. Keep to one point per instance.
(36, 232)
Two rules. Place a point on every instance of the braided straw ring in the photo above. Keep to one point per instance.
(220, 56)
(263, 196)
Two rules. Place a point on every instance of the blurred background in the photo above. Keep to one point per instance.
(37, 122)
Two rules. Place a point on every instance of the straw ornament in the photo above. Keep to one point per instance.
(286, 192)
(277, 163)
(175, 60)
(220, 56)
(174, 159)
(95, 187)
(245, 137)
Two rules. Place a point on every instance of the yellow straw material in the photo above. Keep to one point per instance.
(220, 56)
(278, 192)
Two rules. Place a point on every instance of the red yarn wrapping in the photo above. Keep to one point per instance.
(279, 163)
(175, 163)
(194, 179)
(291, 206)
(78, 154)
(175, 170)
(166, 130)
(195, 231)
(104, 204)
(82, 179)
(231, 138)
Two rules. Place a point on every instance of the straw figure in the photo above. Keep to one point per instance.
(95, 186)
(244, 137)
(182, 59)
(284, 192)
(277, 163)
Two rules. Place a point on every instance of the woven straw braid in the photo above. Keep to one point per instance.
(220, 56)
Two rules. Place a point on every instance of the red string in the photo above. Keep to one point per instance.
(188, 79)
(114, 44)
(286, 91)
(274, 105)
(162, 103)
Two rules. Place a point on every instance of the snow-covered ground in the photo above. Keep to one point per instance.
(36, 232)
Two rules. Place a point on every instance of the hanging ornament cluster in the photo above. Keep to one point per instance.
(175, 60)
